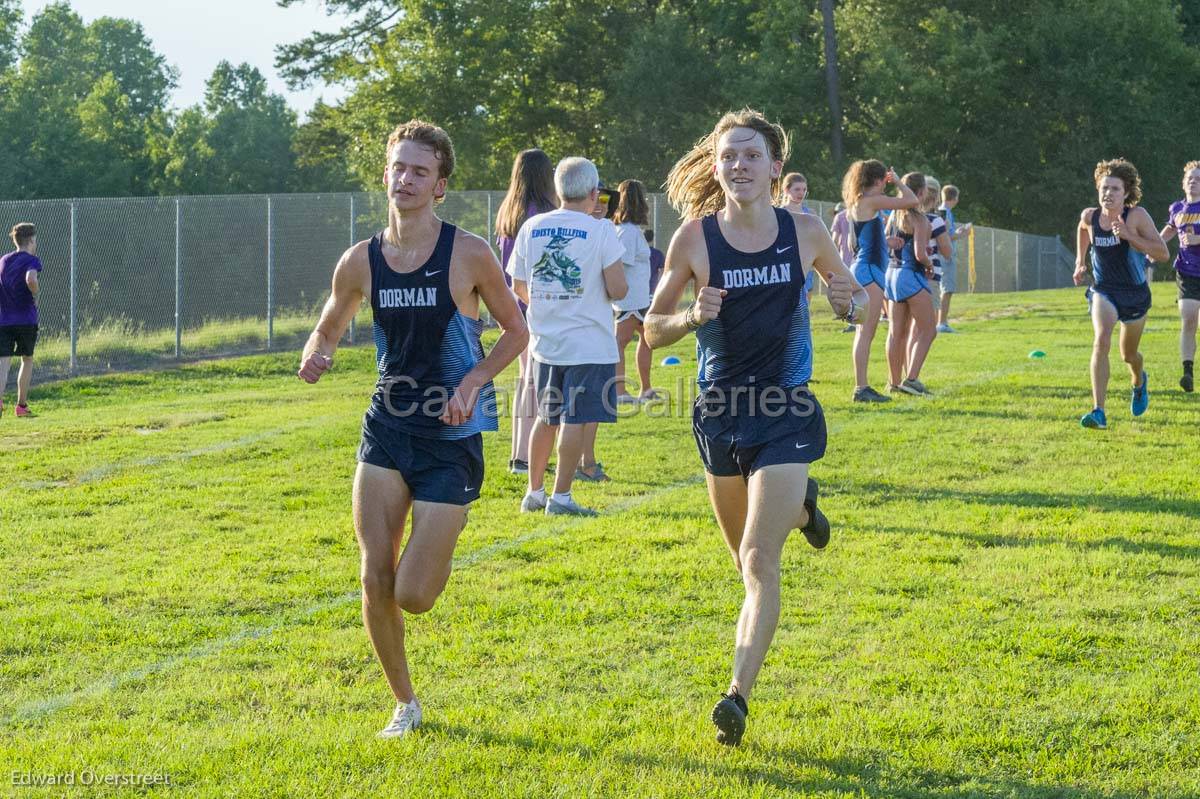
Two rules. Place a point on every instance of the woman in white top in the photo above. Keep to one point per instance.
(631, 216)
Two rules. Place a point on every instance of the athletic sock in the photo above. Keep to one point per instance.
(539, 493)
(1187, 367)
(561, 499)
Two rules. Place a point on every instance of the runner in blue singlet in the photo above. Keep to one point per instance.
(1120, 235)
(421, 449)
(756, 424)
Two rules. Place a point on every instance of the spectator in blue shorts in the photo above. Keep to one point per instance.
(864, 192)
(950, 259)
(19, 288)
(567, 266)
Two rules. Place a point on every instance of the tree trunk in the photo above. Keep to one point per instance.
(831, 80)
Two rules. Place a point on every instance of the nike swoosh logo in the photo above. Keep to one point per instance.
(468, 488)
(801, 446)
(781, 250)
(431, 274)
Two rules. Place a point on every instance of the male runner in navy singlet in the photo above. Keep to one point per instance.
(756, 424)
(421, 448)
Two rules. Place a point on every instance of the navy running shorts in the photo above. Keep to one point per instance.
(448, 471)
(17, 340)
(1132, 303)
(740, 435)
(578, 394)
(1189, 287)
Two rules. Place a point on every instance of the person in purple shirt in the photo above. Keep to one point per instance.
(530, 192)
(657, 261)
(18, 312)
(1184, 219)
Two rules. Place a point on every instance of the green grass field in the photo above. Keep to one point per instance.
(1010, 606)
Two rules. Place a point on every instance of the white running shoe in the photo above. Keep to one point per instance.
(532, 503)
(406, 719)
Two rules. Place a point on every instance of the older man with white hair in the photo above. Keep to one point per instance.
(567, 267)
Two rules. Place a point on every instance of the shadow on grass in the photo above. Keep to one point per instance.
(1106, 503)
(846, 775)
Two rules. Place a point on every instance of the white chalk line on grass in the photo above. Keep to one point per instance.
(32, 711)
(35, 710)
(108, 469)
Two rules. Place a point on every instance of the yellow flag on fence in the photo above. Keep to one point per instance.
(971, 260)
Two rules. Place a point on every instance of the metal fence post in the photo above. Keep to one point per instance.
(993, 260)
(178, 285)
(1017, 276)
(489, 218)
(270, 278)
(73, 281)
(353, 319)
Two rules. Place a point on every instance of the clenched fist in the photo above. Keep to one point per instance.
(707, 305)
(841, 292)
(313, 367)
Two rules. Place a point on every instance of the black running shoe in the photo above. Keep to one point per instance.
(817, 528)
(1185, 382)
(729, 716)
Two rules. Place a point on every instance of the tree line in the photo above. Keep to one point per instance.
(84, 112)
(1013, 102)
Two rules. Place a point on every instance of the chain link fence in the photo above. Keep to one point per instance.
(138, 282)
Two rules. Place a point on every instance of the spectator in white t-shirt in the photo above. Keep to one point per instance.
(567, 267)
(632, 215)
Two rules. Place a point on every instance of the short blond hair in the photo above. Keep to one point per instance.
(429, 135)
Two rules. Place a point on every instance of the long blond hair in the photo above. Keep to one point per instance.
(859, 177)
(902, 219)
(692, 187)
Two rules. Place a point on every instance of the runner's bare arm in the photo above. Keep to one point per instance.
(1143, 236)
(846, 296)
(481, 262)
(351, 283)
(663, 324)
(1083, 240)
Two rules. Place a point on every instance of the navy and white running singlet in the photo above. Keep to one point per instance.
(755, 359)
(905, 276)
(424, 346)
(871, 257)
(1119, 271)
(761, 335)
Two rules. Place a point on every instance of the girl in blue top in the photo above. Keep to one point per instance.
(863, 191)
(910, 301)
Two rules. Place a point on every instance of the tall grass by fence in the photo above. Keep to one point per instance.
(135, 282)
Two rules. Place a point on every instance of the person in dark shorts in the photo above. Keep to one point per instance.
(633, 214)
(19, 288)
(567, 267)
(421, 448)
(1183, 219)
(530, 192)
(1120, 235)
(757, 426)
